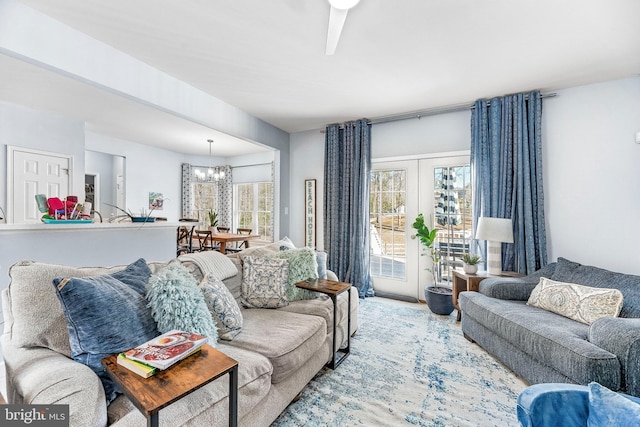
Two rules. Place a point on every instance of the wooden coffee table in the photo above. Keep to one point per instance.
(333, 289)
(151, 394)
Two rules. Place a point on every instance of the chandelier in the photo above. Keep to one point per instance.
(213, 173)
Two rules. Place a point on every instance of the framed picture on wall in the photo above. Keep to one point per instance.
(310, 213)
(155, 201)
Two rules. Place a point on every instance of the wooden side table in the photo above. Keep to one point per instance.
(333, 289)
(471, 282)
(151, 394)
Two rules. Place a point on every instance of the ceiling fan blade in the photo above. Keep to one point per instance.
(336, 22)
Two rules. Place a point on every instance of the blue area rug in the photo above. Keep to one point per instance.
(408, 367)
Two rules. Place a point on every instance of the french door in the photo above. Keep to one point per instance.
(393, 205)
(440, 189)
(446, 203)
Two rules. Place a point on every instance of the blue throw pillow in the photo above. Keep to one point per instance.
(607, 408)
(177, 303)
(106, 315)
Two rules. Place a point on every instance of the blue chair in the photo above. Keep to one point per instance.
(567, 405)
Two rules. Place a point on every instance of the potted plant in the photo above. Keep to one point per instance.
(213, 220)
(470, 263)
(143, 217)
(439, 298)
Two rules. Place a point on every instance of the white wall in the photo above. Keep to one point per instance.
(440, 133)
(28, 128)
(147, 169)
(102, 165)
(592, 174)
(405, 138)
(591, 169)
(307, 162)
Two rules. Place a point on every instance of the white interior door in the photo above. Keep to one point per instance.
(393, 208)
(34, 173)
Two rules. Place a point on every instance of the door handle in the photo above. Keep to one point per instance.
(413, 237)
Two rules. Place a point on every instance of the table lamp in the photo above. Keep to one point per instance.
(494, 231)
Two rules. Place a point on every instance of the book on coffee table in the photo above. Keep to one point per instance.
(139, 368)
(166, 349)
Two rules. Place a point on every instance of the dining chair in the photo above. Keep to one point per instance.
(184, 244)
(205, 242)
(224, 229)
(241, 245)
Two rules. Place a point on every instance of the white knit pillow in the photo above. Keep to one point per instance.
(209, 262)
(581, 303)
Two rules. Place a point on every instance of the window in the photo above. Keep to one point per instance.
(204, 198)
(254, 208)
(452, 202)
(387, 203)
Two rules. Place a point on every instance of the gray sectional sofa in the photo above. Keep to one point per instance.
(541, 346)
(278, 350)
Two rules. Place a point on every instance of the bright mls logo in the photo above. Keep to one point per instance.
(34, 415)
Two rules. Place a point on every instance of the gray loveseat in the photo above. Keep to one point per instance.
(278, 352)
(542, 346)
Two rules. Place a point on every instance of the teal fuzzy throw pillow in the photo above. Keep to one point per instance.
(302, 265)
(177, 303)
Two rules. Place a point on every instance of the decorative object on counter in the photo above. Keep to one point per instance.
(41, 201)
(66, 221)
(143, 217)
(61, 211)
(86, 211)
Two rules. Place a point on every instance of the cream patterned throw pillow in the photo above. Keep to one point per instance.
(223, 307)
(581, 303)
(264, 282)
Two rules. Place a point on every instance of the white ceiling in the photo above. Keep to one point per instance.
(267, 57)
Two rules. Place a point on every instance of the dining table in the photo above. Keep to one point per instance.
(224, 238)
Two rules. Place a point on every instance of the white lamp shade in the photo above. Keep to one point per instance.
(495, 229)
